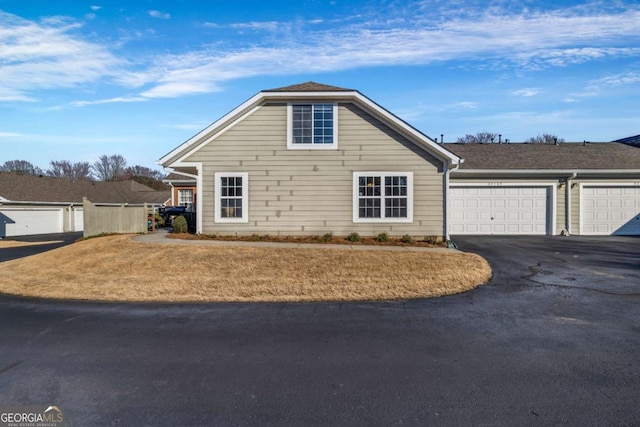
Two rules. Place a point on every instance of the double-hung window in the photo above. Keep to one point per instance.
(312, 126)
(185, 197)
(232, 197)
(383, 197)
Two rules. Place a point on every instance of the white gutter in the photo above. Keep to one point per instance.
(447, 201)
(547, 171)
(567, 193)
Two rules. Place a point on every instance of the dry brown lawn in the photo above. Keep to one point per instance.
(115, 268)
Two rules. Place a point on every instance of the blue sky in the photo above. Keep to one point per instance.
(80, 79)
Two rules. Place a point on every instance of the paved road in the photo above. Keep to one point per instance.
(60, 239)
(553, 339)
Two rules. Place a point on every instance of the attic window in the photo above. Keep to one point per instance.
(312, 126)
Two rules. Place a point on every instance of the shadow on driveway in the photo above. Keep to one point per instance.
(61, 239)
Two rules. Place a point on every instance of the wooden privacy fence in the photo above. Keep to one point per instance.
(100, 219)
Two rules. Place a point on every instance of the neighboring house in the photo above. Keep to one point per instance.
(34, 204)
(582, 188)
(311, 159)
(183, 190)
(632, 140)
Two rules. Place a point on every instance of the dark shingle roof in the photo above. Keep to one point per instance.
(19, 187)
(608, 155)
(177, 177)
(309, 87)
(632, 140)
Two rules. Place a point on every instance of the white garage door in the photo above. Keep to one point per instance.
(22, 222)
(499, 210)
(611, 210)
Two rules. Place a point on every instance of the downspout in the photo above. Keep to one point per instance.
(447, 201)
(567, 198)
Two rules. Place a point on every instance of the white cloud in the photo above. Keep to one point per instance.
(530, 40)
(96, 8)
(109, 101)
(159, 15)
(52, 54)
(526, 92)
(47, 55)
(621, 79)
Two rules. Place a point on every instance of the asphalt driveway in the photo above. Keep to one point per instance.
(60, 239)
(553, 339)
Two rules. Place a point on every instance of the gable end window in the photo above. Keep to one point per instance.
(232, 197)
(382, 197)
(312, 126)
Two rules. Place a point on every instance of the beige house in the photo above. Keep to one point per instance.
(311, 159)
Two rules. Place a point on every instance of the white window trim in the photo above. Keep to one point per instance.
(245, 196)
(382, 175)
(182, 191)
(311, 146)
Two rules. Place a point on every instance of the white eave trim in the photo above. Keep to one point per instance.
(546, 171)
(248, 106)
(197, 137)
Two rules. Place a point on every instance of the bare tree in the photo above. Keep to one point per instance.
(21, 166)
(137, 170)
(479, 138)
(147, 176)
(110, 168)
(66, 169)
(545, 138)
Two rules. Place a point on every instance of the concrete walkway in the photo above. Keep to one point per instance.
(161, 237)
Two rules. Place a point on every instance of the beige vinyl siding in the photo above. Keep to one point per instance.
(306, 192)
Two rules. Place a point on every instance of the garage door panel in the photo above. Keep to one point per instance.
(503, 210)
(31, 221)
(610, 210)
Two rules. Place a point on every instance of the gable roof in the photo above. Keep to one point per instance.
(308, 91)
(632, 140)
(309, 87)
(563, 156)
(18, 187)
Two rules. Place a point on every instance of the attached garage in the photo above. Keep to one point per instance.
(78, 220)
(610, 209)
(501, 209)
(27, 221)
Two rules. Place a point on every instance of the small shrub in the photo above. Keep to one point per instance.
(180, 225)
(259, 237)
(433, 240)
(159, 220)
(354, 237)
(326, 237)
(382, 237)
(407, 239)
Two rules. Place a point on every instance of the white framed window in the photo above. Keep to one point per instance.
(312, 126)
(185, 197)
(382, 196)
(231, 197)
